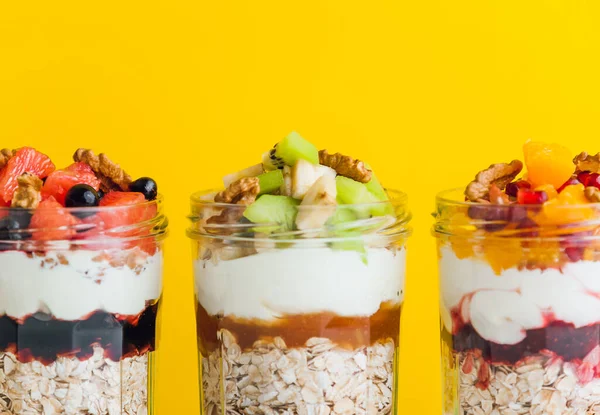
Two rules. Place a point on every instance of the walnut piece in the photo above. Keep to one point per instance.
(112, 176)
(592, 194)
(5, 155)
(28, 194)
(586, 162)
(346, 166)
(499, 174)
(240, 192)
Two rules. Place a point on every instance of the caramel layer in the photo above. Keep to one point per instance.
(295, 330)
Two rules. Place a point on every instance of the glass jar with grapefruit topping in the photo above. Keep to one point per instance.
(81, 268)
(299, 289)
(519, 266)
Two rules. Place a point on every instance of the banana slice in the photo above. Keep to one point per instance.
(305, 175)
(286, 187)
(319, 202)
(251, 171)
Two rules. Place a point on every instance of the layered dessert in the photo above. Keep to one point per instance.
(299, 277)
(520, 290)
(80, 284)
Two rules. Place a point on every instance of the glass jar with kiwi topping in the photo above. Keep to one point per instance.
(299, 284)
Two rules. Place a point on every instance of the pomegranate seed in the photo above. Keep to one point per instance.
(594, 180)
(572, 181)
(531, 197)
(575, 253)
(513, 188)
(584, 176)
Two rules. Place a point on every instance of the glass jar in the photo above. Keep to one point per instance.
(519, 306)
(79, 295)
(299, 322)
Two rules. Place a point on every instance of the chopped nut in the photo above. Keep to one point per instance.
(241, 192)
(28, 194)
(346, 166)
(112, 176)
(592, 194)
(5, 155)
(499, 174)
(585, 162)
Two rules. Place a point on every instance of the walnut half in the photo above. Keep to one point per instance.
(499, 174)
(586, 162)
(111, 175)
(346, 166)
(592, 194)
(28, 194)
(5, 155)
(241, 192)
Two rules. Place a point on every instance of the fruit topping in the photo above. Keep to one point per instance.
(288, 151)
(270, 181)
(241, 192)
(572, 181)
(346, 166)
(28, 194)
(322, 195)
(13, 227)
(586, 162)
(145, 186)
(592, 194)
(531, 197)
(499, 174)
(111, 175)
(513, 187)
(305, 174)
(60, 182)
(25, 160)
(5, 155)
(251, 171)
(82, 196)
(273, 213)
(51, 221)
(547, 163)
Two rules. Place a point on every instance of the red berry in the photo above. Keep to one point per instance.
(25, 160)
(531, 197)
(513, 188)
(585, 176)
(58, 183)
(572, 181)
(52, 221)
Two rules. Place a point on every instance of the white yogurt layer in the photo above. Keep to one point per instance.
(69, 292)
(301, 281)
(501, 307)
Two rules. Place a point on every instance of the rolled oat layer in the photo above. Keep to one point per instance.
(96, 386)
(319, 378)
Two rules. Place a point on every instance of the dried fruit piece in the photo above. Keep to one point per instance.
(60, 182)
(499, 174)
(112, 176)
(346, 166)
(25, 160)
(242, 191)
(547, 164)
(51, 221)
(27, 195)
(585, 162)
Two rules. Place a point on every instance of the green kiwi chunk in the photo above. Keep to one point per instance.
(289, 150)
(270, 181)
(273, 209)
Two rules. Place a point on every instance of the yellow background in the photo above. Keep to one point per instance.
(186, 91)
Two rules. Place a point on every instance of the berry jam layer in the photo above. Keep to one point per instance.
(42, 338)
(347, 332)
(560, 338)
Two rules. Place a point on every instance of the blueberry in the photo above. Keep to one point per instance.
(12, 227)
(145, 186)
(100, 194)
(82, 196)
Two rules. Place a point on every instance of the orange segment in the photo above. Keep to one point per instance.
(549, 189)
(548, 163)
(569, 207)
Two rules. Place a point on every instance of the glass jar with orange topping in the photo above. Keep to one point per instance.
(520, 302)
(297, 321)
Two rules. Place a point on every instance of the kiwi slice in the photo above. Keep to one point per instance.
(289, 150)
(281, 210)
(374, 186)
(270, 181)
(352, 192)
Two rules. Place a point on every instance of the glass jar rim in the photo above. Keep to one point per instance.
(155, 228)
(389, 230)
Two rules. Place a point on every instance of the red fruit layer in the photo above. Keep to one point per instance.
(52, 222)
(26, 160)
(60, 182)
(43, 338)
(561, 338)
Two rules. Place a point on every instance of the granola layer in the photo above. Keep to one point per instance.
(317, 378)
